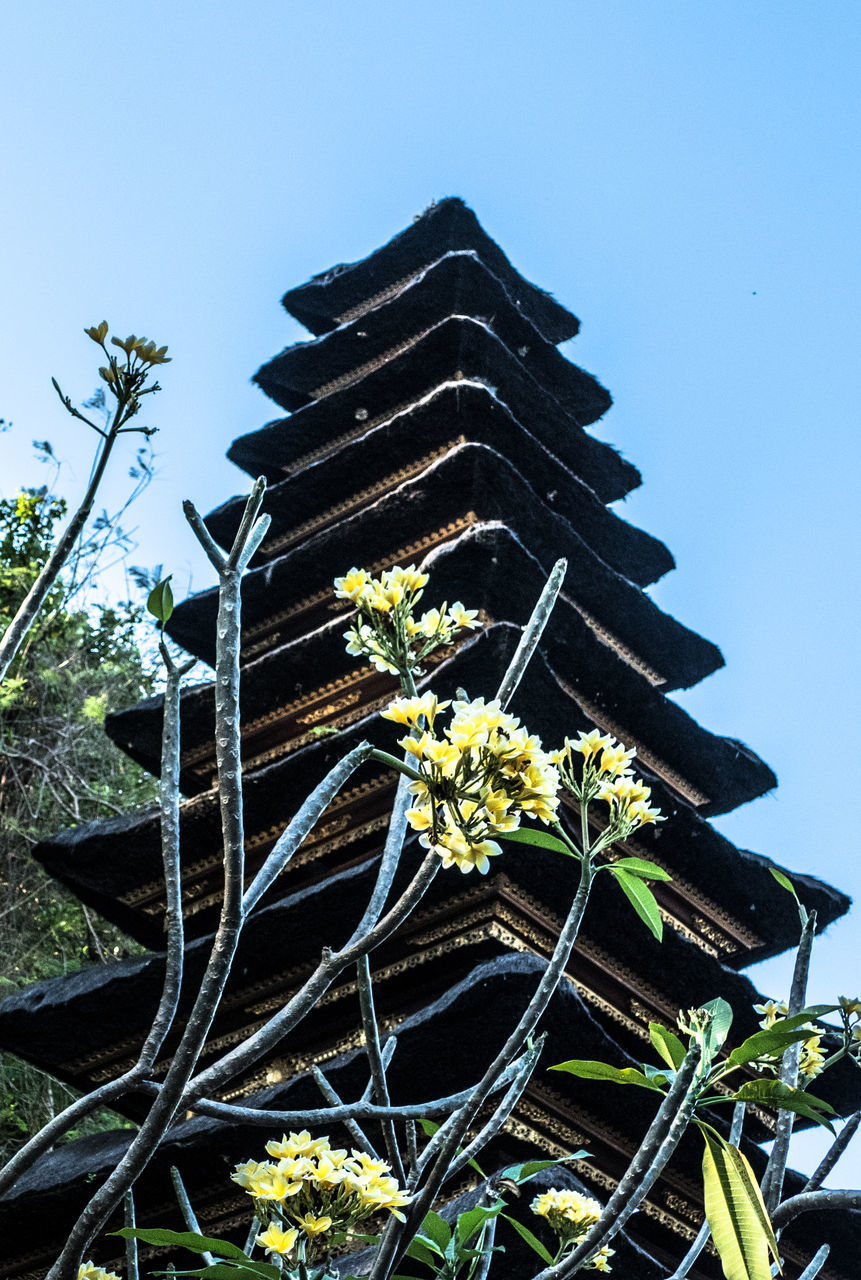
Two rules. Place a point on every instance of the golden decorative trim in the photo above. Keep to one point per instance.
(357, 501)
(412, 549)
(618, 646)
(667, 774)
(370, 366)
(377, 299)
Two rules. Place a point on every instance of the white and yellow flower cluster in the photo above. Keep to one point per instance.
(771, 1011)
(311, 1191)
(604, 771)
(89, 1271)
(571, 1214)
(812, 1057)
(478, 780)
(388, 632)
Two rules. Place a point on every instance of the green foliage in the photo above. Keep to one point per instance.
(57, 768)
(735, 1212)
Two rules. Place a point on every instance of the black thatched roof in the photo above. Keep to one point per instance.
(472, 485)
(458, 349)
(438, 1051)
(447, 227)
(318, 682)
(85, 1027)
(382, 456)
(722, 895)
(712, 773)
(458, 285)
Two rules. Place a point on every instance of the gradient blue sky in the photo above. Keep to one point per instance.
(682, 175)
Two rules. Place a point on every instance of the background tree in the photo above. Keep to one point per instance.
(57, 768)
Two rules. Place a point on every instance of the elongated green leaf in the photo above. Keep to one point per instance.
(586, 1069)
(748, 1178)
(160, 601)
(524, 1172)
(668, 1045)
(642, 867)
(247, 1270)
(735, 1224)
(436, 1229)
(470, 1222)
(721, 1022)
(774, 1093)
(769, 1043)
(190, 1240)
(641, 899)
(533, 1241)
(784, 881)
(423, 1249)
(543, 839)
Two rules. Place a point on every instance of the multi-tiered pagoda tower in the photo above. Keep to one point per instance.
(431, 419)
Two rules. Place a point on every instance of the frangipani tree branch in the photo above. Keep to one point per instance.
(187, 1052)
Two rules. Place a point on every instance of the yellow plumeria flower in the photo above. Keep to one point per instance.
(850, 1005)
(771, 1010)
(600, 1260)
(298, 1144)
(463, 619)
(353, 585)
(313, 1226)
(276, 1240)
(409, 711)
(569, 1213)
(591, 743)
(89, 1271)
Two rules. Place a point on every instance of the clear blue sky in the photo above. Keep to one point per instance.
(683, 176)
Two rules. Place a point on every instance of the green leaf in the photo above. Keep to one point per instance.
(771, 1043)
(533, 1241)
(721, 1022)
(520, 1173)
(422, 1249)
(430, 1127)
(773, 1093)
(160, 601)
(784, 882)
(543, 839)
(230, 1271)
(668, 1045)
(587, 1069)
(436, 1229)
(470, 1222)
(185, 1239)
(735, 1213)
(642, 867)
(642, 900)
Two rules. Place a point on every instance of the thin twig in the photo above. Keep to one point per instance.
(810, 1201)
(833, 1154)
(375, 1061)
(189, 1217)
(532, 633)
(311, 1116)
(501, 1113)
(661, 1140)
(816, 1263)
(772, 1180)
(225, 942)
(132, 1267)
(332, 1096)
(397, 1236)
(301, 823)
